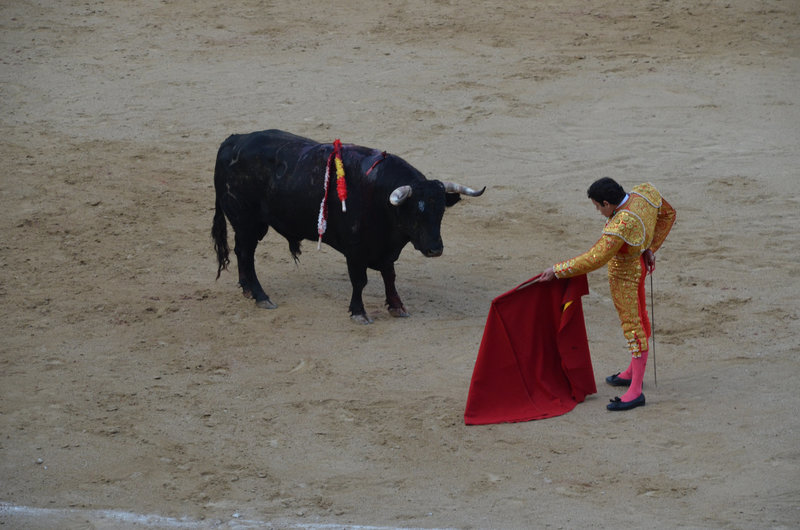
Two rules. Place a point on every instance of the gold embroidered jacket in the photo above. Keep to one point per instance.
(642, 223)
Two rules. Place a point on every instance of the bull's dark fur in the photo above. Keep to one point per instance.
(275, 179)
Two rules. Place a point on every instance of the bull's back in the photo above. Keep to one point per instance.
(270, 178)
(260, 150)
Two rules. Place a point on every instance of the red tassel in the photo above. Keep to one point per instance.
(341, 183)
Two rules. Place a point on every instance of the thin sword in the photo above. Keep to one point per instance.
(653, 328)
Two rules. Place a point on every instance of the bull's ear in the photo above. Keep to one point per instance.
(451, 198)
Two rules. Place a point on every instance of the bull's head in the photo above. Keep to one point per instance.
(423, 206)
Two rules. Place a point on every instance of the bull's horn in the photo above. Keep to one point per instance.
(399, 195)
(451, 187)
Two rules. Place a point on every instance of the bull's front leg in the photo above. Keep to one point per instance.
(358, 279)
(395, 305)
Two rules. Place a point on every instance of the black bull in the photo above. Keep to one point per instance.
(276, 179)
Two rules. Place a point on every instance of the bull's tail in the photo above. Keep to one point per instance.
(219, 233)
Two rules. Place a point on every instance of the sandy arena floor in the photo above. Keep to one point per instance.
(137, 391)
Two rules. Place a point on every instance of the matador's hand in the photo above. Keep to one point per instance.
(649, 261)
(547, 275)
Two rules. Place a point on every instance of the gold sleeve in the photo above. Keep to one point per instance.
(597, 256)
(664, 222)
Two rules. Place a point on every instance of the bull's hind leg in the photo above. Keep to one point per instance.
(396, 308)
(245, 257)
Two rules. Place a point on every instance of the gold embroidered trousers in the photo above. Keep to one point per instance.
(626, 281)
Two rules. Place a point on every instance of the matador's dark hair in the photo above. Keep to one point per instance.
(606, 189)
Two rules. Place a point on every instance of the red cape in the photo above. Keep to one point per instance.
(534, 359)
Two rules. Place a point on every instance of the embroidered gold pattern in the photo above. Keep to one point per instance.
(624, 272)
(628, 226)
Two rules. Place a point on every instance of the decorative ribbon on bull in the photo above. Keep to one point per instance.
(335, 158)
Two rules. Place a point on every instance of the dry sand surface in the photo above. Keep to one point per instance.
(137, 391)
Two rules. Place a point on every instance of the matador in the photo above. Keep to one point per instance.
(638, 223)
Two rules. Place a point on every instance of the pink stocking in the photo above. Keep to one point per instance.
(628, 371)
(637, 377)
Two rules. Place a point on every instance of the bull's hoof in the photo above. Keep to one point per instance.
(398, 312)
(266, 304)
(361, 319)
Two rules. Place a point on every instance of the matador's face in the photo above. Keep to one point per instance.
(605, 208)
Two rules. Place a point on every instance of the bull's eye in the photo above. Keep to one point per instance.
(421, 206)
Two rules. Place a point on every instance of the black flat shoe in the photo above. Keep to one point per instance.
(618, 404)
(615, 380)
